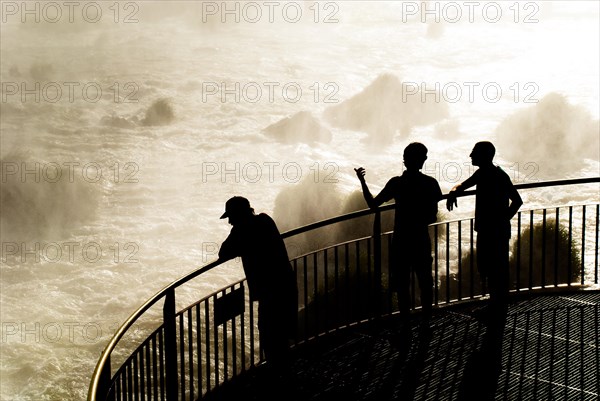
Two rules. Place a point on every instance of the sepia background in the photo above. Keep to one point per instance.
(125, 126)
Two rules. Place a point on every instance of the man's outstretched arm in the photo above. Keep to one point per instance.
(371, 202)
(454, 192)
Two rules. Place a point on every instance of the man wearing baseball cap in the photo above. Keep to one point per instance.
(271, 280)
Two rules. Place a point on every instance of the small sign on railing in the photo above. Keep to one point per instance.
(229, 306)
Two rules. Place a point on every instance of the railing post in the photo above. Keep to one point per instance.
(170, 345)
(377, 261)
(104, 389)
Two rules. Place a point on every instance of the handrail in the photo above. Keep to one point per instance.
(135, 315)
(437, 223)
(99, 370)
(366, 212)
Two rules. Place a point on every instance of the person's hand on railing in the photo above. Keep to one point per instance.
(451, 201)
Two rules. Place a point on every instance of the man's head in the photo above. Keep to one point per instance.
(237, 209)
(483, 153)
(415, 155)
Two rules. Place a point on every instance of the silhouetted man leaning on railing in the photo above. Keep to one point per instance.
(416, 197)
(496, 202)
(271, 280)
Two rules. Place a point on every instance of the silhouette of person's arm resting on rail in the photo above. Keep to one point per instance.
(271, 280)
(496, 203)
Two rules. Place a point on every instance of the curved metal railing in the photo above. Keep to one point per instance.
(198, 348)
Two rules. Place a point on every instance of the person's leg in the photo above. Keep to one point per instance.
(483, 260)
(400, 275)
(496, 268)
(273, 340)
(486, 265)
(492, 264)
(499, 284)
(273, 333)
(423, 271)
(403, 291)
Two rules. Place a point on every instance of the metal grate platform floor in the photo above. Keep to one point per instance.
(549, 350)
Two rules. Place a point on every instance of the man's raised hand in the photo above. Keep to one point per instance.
(360, 173)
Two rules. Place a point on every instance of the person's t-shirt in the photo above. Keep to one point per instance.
(416, 198)
(264, 256)
(492, 200)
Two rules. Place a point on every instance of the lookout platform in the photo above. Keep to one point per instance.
(549, 350)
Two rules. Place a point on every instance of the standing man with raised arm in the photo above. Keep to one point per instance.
(496, 202)
(416, 197)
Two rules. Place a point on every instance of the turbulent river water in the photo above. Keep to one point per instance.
(126, 126)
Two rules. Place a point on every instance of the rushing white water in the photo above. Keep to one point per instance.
(143, 182)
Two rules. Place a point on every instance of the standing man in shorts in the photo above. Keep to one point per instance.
(416, 197)
(496, 203)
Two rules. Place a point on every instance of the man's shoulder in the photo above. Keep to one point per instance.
(393, 183)
(429, 179)
(417, 181)
(492, 170)
(433, 187)
(264, 220)
(500, 171)
(492, 173)
(503, 175)
(494, 176)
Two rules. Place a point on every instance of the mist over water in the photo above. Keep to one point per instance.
(154, 155)
(385, 108)
(41, 204)
(553, 133)
(301, 127)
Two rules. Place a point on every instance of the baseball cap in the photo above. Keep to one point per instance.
(235, 205)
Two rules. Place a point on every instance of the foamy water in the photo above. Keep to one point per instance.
(150, 178)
